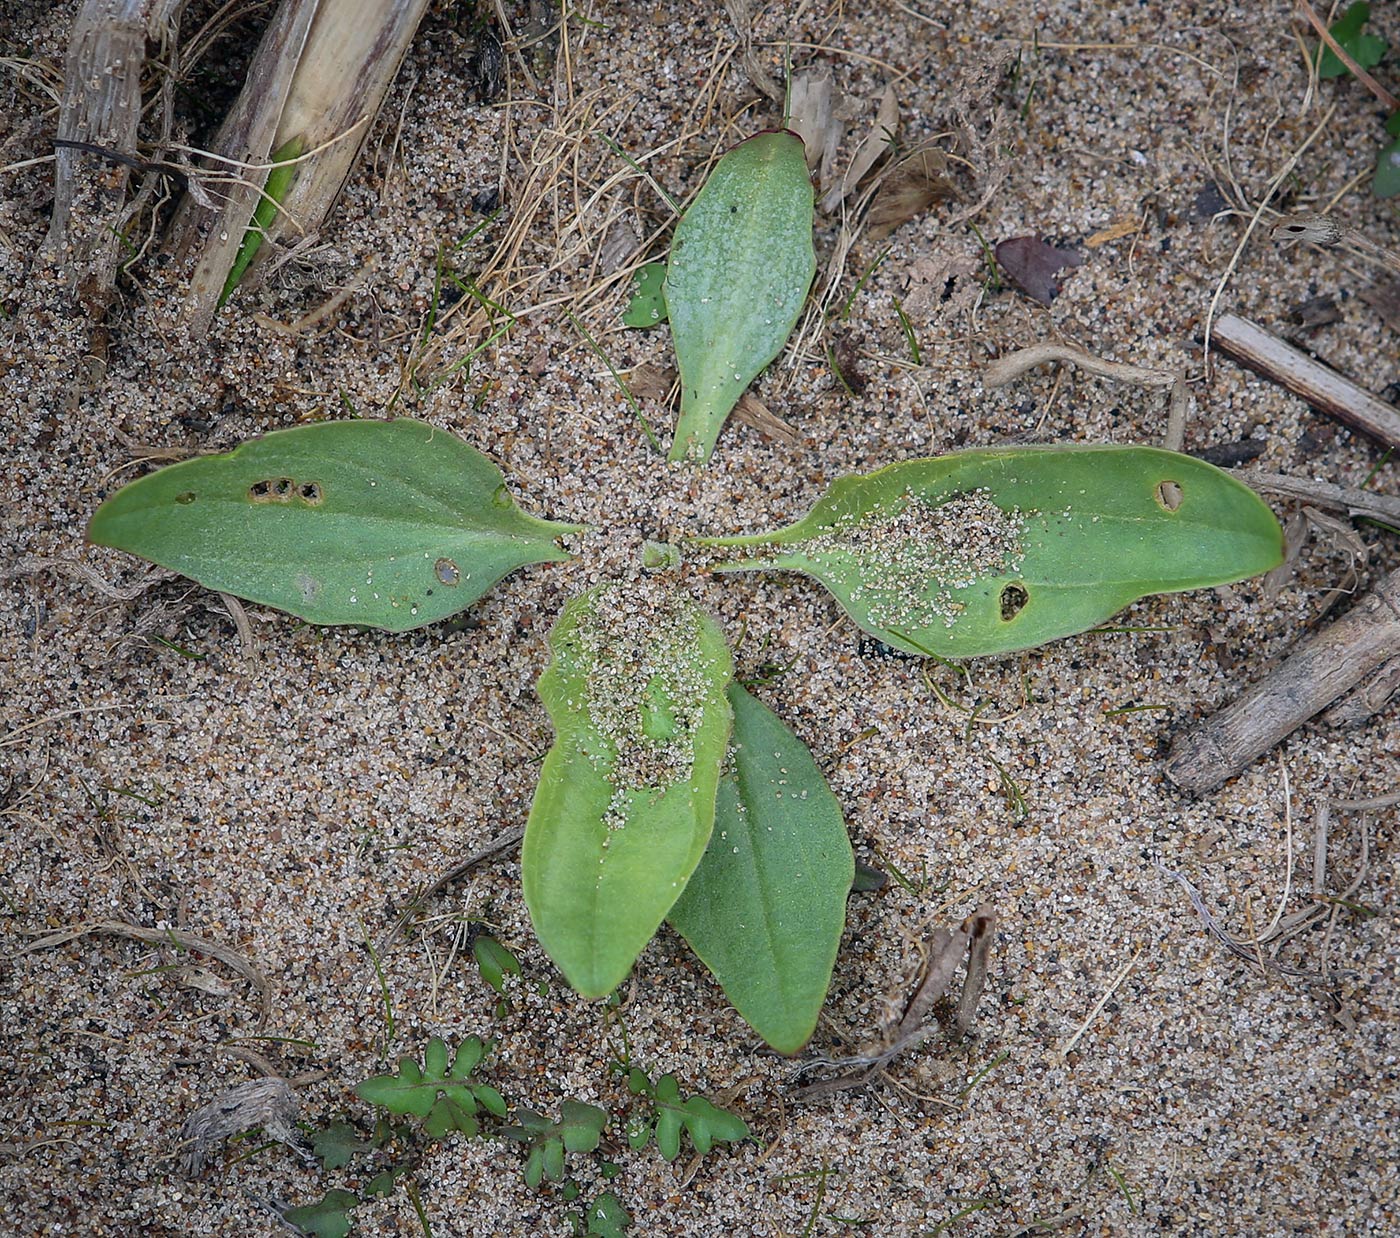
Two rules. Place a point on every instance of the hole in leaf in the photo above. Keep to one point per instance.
(185, 497)
(1168, 495)
(447, 572)
(311, 493)
(282, 488)
(260, 491)
(1013, 599)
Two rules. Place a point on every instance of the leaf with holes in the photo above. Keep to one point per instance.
(985, 552)
(626, 797)
(392, 524)
(438, 1092)
(740, 265)
(767, 905)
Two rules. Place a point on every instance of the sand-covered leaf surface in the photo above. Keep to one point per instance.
(1126, 1073)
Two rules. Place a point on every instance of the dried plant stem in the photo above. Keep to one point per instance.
(1007, 369)
(1322, 669)
(1324, 389)
(1363, 503)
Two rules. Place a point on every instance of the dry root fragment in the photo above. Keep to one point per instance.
(267, 1103)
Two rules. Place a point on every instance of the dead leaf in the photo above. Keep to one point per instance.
(1114, 232)
(755, 414)
(916, 183)
(815, 117)
(931, 283)
(651, 382)
(1032, 265)
(876, 143)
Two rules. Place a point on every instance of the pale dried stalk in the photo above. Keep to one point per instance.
(102, 106)
(1323, 668)
(319, 76)
(1324, 389)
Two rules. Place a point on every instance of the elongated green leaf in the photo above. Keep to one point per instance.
(984, 552)
(740, 265)
(767, 904)
(626, 798)
(393, 524)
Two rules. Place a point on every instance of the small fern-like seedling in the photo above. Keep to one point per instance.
(438, 1092)
(328, 1217)
(579, 1128)
(706, 1123)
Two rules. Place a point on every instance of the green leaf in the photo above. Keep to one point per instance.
(579, 1128)
(704, 1122)
(985, 552)
(438, 1093)
(626, 797)
(647, 307)
(494, 961)
(1365, 49)
(766, 907)
(1387, 179)
(740, 265)
(326, 1218)
(279, 180)
(393, 524)
(336, 1144)
(1392, 124)
(606, 1217)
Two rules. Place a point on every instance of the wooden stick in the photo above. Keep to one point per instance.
(1324, 389)
(1365, 503)
(1322, 669)
(1367, 699)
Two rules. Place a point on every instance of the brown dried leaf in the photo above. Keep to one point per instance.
(916, 183)
(1032, 264)
(754, 413)
(816, 118)
(876, 143)
(652, 382)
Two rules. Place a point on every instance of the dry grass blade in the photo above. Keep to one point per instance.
(177, 938)
(877, 142)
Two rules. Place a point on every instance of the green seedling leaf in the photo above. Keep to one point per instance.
(392, 524)
(1365, 49)
(384, 1183)
(606, 1217)
(279, 180)
(438, 1092)
(579, 1129)
(327, 1218)
(494, 961)
(766, 907)
(1386, 183)
(626, 797)
(705, 1122)
(740, 265)
(986, 552)
(647, 307)
(336, 1144)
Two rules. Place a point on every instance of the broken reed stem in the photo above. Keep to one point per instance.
(1324, 389)
(1324, 667)
(1326, 233)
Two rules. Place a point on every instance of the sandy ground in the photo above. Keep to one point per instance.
(1127, 1075)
